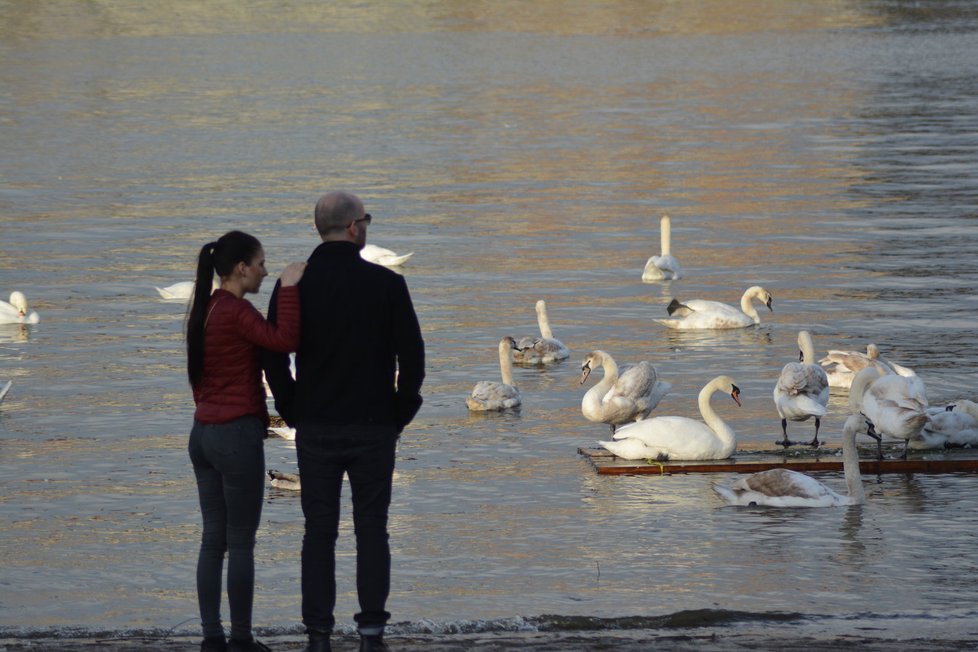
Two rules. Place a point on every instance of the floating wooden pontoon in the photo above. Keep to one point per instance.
(796, 459)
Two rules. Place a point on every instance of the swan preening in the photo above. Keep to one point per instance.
(624, 395)
(490, 395)
(543, 349)
(664, 267)
(787, 488)
(4, 388)
(802, 390)
(182, 290)
(381, 256)
(895, 406)
(17, 311)
(698, 314)
(680, 438)
(842, 366)
(950, 426)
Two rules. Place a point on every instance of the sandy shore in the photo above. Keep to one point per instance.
(626, 641)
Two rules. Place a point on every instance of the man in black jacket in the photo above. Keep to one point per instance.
(359, 370)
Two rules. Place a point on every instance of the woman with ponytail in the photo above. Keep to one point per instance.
(226, 336)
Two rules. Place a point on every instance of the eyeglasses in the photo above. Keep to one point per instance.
(367, 217)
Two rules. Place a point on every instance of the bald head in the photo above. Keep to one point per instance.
(335, 211)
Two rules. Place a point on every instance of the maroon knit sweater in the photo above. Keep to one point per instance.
(234, 335)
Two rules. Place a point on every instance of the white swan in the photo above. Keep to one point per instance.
(664, 267)
(381, 256)
(17, 311)
(543, 349)
(624, 395)
(895, 406)
(4, 389)
(680, 438)
(490, 395)
(698, 314)
(183, 290)
(283, 432)
(950, 426)
(787, 488)
(283, 480)
(802, 390)
(842, 366)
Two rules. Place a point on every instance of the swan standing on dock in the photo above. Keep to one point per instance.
(842, 366)
(381, 256)
(680, 438)
(951, 426)
(490, 395)
(17, 311)
(620, 397)
(543, 349)
(895, 406)
(802, 390)
(664, 267)
(699, 314)
(787, 488)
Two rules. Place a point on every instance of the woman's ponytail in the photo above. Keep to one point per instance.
(197, 314)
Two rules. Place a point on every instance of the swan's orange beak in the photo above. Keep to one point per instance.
(585, 371)
(735, 395)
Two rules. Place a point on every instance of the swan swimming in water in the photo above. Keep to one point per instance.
(490, 395)
(664, 267)
(895, 406)
(182, 290)
(381, 256)
(680, 438)
(842, 366)
(17, 311)
(283, 480)
(787, 488)
(624, 395)
(698, 314)
(543, 349)
(4, 389)
(802, 390)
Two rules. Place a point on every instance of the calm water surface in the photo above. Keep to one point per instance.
(823, 150)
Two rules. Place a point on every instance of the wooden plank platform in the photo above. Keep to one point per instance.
(825, 459)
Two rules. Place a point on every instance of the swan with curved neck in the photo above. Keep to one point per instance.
(786, 488)
(895, 406)
(699, 314)
(490, 395)
(618, 399)
(681, 438)
(664, 267)
(802, 390)
(842, 366)
(543, 349)
(17, 311)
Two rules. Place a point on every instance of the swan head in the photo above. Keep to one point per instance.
(593, 360)
(508, 343)
(872, 351)
(727, 384)
(735, 394)
(19, 301)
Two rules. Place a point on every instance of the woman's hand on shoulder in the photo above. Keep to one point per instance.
(292, 273)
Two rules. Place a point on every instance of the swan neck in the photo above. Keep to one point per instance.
(850, 462)
(506, 363)
(807, 347)
(543, 321)
(665, 235)
(747, 305)
(712, 419)
(610, 371)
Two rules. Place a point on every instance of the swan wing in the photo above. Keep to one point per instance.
(780, 488)
(628, 449)
(634, 381)
(700, 314)
(539, 349)
(490, 395)
(662, 268)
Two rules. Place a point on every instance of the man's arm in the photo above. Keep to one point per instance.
(277, 371)
(409, 347)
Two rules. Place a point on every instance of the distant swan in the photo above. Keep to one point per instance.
(283, 480)
(182, 290)
(543, 349)
(895, 406)
(283, 432)
(842, 366)
(490, 395)
(786, 488)
(620, 397)
(680, 438)
(699, 314)
(664, 267)
(381, 256)
(4, 389)
(802, 390)
(17, 311)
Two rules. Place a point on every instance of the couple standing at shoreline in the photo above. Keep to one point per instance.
(359, 369)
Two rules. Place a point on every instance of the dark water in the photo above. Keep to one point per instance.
(823, 150)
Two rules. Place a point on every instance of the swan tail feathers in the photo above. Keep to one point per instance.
(676, 307)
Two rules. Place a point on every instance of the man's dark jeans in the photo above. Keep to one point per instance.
(366, 454)
(229, 462)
